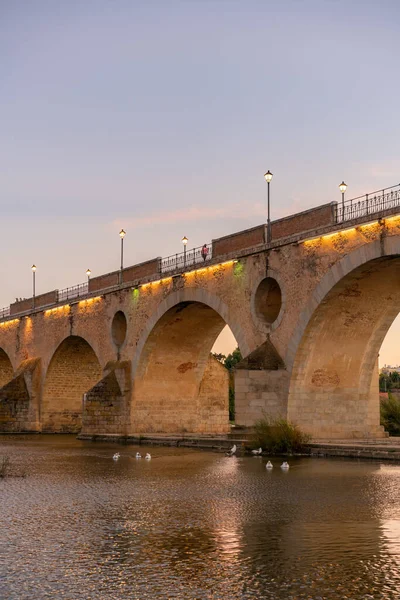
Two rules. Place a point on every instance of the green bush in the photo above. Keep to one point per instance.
(390, 415)
(278, 436)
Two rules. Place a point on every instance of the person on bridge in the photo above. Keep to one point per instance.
(204, 252)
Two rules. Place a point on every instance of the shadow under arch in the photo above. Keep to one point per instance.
(191, 295)
(177, 387)
(6, 368)
(73, 369)
(334, 382)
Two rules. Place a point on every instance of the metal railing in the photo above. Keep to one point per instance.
(186, 259)
(76, 291)
(368, 204)
(4, 312)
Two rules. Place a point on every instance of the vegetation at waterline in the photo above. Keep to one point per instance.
(278, 436)
(230, 362)
(390, 415)
(6, 469)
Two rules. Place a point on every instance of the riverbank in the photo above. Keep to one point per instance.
(382, 449)
(386, 449)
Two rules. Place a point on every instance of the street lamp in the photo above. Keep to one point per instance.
(34, 284)
(342, 188)
(268, 178)
(88, 274)
(184, 242)
(122, 234)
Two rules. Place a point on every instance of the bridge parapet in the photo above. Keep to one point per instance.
(308, 220)
(142, 270)
(41, 301)
(239, 241)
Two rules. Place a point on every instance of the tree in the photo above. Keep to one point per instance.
(230, 362)
(220, 357)
(232, 359)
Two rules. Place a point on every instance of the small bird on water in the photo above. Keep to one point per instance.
(148, 456)
(232, 451)
(269, 465)
(285, 466)
(138, 455)
(116, 456)
(257, 452)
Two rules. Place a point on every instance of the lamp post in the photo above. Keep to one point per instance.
(342, 188)
(33, 284)
(268, 178)
(88, 274)
(184, 242)
(122, 234)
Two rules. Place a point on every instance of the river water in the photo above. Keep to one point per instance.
(191, 524)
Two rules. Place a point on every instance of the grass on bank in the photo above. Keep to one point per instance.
(278, 436)
(390, 415)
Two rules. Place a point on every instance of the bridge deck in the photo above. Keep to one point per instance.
(307, 225)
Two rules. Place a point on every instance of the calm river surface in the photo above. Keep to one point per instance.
(191, 524)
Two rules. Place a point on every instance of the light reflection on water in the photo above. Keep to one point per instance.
(189, 524)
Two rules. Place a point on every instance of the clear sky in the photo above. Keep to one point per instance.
(161, 117)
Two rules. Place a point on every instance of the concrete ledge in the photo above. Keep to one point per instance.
(209, 442)
(375, 449)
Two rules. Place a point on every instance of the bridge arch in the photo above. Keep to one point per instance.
(177, 387)
(200, 296)
(73, 369)
(6, 368)
(334, 382)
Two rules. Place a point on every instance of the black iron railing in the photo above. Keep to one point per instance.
(186, 259)
(4, 312)
(76, 291)
(368, 204)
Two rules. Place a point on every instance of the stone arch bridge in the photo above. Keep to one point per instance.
(130, 352)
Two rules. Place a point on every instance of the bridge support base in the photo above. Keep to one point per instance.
(260, 394)
(19, 400)
(106, 407)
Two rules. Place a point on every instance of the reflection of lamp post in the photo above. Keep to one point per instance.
(88, 274)
(34, 284)
(268, 178)
(184, 242)
(342, 188)
(122, 234)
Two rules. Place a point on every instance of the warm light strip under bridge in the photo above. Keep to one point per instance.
(201, 269)
(9, 322)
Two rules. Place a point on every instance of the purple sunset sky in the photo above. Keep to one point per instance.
(161, 117)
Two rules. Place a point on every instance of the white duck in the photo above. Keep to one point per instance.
(148, 456)
(285, 466)
(257, 452)
(232, 451)
(138, 455)
(269, 465)
(116, 456)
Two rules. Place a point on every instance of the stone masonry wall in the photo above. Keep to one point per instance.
(15, 406)
(103, 281)
(42, 300)
(239, 241)
(213, 399)
(260, 394)
(73, 371)
(145, 269)
(304, 221)
(105, 408)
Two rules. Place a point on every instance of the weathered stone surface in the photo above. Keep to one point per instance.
(338, 295)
